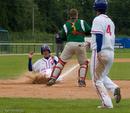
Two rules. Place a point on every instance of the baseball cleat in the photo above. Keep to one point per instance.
(82, 83)
(117, 95)
(50, 82)
(103, 107)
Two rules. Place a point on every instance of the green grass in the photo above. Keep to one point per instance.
(36, 105)
(122, 55)
(118, 71)
(12, 66)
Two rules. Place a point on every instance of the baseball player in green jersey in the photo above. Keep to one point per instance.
(73, 31)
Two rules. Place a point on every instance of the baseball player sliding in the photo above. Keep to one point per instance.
(43, 65)
(73, 31)
(102, 46)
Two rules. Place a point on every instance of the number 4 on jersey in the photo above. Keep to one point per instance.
(108, 30)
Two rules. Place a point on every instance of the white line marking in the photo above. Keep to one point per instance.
(69, 71)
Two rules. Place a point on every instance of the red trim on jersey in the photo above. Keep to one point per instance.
(103, 15)
(97, 32)
(49, 63)
(47, 67)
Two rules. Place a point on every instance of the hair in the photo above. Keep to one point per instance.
(73, 13)
(101, 10)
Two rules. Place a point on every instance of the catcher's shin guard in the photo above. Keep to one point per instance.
(83, 70)
(57, 69)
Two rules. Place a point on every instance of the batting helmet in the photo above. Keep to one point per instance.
(45, 47)
(100, 4)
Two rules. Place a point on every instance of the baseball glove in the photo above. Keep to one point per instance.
(38, 79)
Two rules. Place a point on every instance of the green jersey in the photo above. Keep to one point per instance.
(80, 26)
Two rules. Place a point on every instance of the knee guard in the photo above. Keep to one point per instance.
(83, 70)
(57, 69)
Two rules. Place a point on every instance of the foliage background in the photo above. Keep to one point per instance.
(49, 15)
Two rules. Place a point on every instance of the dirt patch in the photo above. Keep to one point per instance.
(121, 60)
(67, 89)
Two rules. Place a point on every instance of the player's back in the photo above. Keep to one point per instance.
(104, 25)
(80, 26)
(109, 33)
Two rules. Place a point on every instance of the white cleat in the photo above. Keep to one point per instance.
(101, 106)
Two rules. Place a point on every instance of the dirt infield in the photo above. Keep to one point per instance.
(67, 89)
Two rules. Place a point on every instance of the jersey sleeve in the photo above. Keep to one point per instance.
(87, 27)
(97, 27)
(56, 58)
(36, 65)
(63, 33)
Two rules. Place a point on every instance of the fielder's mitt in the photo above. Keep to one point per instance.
(38, 79)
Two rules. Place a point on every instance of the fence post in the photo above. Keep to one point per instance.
(28, 48)
(34, 48)
(16, 48)
(53, 44)
(22, 48)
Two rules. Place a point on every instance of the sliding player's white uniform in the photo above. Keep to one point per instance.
(45, 66)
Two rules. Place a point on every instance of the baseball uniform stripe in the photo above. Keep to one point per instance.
(97, 32)
(82, 25)
(104, 16)
(46, 63)
(65, 28)
(49, 63)
(94, 77)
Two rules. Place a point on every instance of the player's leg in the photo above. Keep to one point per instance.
(62, 47)
(83, 62)
(97, 68)
(109, 84)
(107, 81)
(48, 73)
(65, 56)
(58, 50)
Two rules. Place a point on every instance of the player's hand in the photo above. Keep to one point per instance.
(53, 57)
(31, 54)
(87, 45)
(99, 56)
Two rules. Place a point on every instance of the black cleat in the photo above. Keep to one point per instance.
(50, 82)
(117, 95)
(82, 83)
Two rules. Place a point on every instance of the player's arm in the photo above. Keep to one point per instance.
(30, 65)
(30, 61)
(87, 29)
(88, 32)
(99, 45)
(63, 35)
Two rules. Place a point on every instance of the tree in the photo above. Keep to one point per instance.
(119, 11)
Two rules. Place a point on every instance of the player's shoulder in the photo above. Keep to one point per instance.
(79, 20)
(56, 58)
(101, 16)
(98, 18)
(66, 22)
(39, 60)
